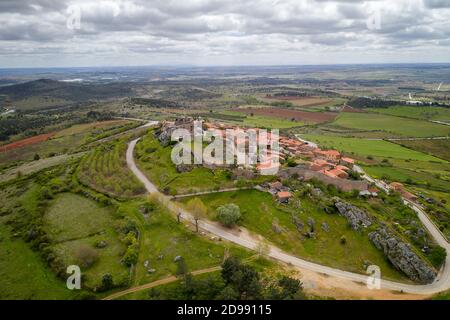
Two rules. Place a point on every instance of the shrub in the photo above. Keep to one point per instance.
(86, 256)
(131, 256)
(228, 214)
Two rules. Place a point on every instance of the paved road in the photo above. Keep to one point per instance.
(441, 283)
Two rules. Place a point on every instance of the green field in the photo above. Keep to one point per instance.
(156, 162)
(437, 148)
(162, 239)
(259, 212)
(23, 274)
(73, 221)
(423, 113)
(375, 148)
(396, 126)
(257, 121)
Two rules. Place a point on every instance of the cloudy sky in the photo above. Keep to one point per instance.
(43, 33)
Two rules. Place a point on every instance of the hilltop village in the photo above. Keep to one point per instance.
(296, 157)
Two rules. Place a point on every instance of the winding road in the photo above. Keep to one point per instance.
(441, 283)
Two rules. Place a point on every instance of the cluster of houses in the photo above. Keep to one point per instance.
(328, 163)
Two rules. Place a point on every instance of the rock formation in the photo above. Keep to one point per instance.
(402, 256)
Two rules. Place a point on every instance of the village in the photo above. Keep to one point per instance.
(294, 157)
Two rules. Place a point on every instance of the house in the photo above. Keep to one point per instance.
(320, 164)
(342, 168)
(397, 186)
(409, 196)
(330, 155)
(347, 161)
(371, 192)
(338, 173)
(374, 191)
(284, 196)
(277, 185)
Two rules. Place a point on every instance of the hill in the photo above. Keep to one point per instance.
(45, 93)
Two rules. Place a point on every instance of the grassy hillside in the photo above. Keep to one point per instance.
(260, 212)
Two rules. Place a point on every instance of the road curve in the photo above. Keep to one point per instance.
(441, 283)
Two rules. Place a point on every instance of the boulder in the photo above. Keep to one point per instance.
(356, 217)
(402, 256)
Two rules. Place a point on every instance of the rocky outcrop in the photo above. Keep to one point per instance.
(356, 217)
(402, 256)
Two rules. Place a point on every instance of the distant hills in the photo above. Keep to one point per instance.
(45, 93)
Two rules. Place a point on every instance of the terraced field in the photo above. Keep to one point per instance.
(105, 170)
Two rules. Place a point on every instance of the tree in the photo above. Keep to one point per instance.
(198, 210)
(263, 248)
(343, 240)
(107, 281)
(286, 288)
(228, 214)
(36, 157)
(242, 278)
(182, 269)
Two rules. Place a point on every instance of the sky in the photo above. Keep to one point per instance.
(77, 33)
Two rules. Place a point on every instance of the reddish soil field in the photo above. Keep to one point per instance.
(305, 116)
(26, 142)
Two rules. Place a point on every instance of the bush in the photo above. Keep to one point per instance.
(437, 256)
(228, 215)
(86, 256)
(131, 256)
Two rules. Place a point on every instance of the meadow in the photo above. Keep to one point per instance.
(73, 222)
(364, 147)
(260, 212)
(396, 126)
(23, 274)
(417, 112)
(437, 148)
(162, 239)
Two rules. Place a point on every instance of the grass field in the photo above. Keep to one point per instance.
(254, 121)
(396, 126)
(376, 148)
(424, 113)
(259, 212)
(72, 221)
(105, 170)
(437, 148)
(23, 274)
(404, 175)
(162, 239)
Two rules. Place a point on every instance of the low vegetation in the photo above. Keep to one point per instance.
(105, 169)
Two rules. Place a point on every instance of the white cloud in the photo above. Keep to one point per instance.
(116, 32)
